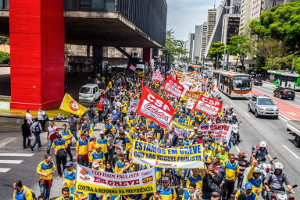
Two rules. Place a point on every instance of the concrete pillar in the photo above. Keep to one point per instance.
(97, 58)
(147, 55)
(37, 39)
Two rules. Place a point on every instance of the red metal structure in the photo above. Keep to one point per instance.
(37, 39)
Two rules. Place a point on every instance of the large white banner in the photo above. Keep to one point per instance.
(98, 182)
(177, 157)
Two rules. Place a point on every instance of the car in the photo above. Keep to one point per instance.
(89, 93)
(287, 93)
(263, 106)
(257, 81)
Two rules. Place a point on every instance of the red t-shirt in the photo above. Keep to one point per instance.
(100, 106)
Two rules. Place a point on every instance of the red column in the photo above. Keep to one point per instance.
(37, 38)
(147, 55)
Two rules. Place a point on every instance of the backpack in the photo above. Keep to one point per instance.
(243, 195)
(91, 113)
(37, 128)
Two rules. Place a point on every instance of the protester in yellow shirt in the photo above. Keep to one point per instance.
(67, 135)
(65, 194)
(97, 156)
(231, 174)
(69, 175)
(21, 191)
(46, 169)
(82, 150)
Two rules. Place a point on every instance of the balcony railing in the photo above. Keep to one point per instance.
(4, 4)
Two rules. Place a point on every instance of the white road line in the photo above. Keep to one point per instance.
(3, 170)
(6, 141)
(237, 148)
(247, 114)
(291, 152)
(11, 161)
(16, 154)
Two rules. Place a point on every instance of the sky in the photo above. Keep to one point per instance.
(183, 15)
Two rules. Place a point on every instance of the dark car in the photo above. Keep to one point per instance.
(287, 93)
(257, 81)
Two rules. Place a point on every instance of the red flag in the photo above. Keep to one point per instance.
(209, 106)
(155, 108)
(173, 87)
(157, 76)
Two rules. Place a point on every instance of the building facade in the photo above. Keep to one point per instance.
(211, 22)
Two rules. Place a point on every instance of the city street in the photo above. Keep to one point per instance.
(273, 131)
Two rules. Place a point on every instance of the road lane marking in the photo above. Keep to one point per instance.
(237, 148)
(291, 152)
(291, 113)
(247, 114)
(11, 161)
(6, 141)
(16, 154)
(3, 170)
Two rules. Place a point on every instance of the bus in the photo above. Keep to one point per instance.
(285, 79)
(233, 84)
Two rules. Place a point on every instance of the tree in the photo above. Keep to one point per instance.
(216, 52)
(297, 64)
(273, 53)
(4, 40)
(173, 46)
(239, 46)
(281, 23)
(4, 57)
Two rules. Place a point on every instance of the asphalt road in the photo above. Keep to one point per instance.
(273, 131)
(268, 88)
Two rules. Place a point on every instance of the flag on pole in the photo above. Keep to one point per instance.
(132, 67)
(70, 105)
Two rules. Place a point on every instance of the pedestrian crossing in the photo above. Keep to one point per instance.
(6, 162)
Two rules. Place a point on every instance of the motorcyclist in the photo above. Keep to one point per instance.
(261, 153)
(274, 181)
(233, 119)
(229, 111)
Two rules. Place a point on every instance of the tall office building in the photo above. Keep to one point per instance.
(191, 41)
(200, 40)
(211, 22)
(245, 15)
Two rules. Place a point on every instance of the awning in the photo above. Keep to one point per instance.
(196, 66)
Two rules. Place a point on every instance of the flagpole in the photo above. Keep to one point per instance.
(62, 101)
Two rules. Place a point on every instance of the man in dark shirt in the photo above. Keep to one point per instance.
(243, 162)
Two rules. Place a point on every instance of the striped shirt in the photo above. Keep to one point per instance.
(243, 163)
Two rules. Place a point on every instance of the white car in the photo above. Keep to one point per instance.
(89, 93)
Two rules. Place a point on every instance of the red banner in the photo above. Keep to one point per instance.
(157, 76)
(209, 106)
(132, 67)
(173, 87)
(155, 108)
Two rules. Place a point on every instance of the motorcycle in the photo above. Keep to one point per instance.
(282, 194)
(235, 139)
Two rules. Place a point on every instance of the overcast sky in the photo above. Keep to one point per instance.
(183, 15)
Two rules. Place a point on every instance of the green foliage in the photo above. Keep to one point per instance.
(240, 46)
(4, 57)
(173, 46)
(297, 64)
(4, 40)
(280, 23)
(216, 52)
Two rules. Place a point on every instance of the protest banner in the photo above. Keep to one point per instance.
(99, 182)
(132, 67)
(178, 157)
(191, 94)
(219, 131)
(209, 106)
(157, 76)
(133, 106)
(155, 108)
(173, 87)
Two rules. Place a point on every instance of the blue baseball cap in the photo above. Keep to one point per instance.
(248, 186)
(184, 134)
(224, 140)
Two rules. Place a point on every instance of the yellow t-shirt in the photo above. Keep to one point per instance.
(82, 147)
(45, 168)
